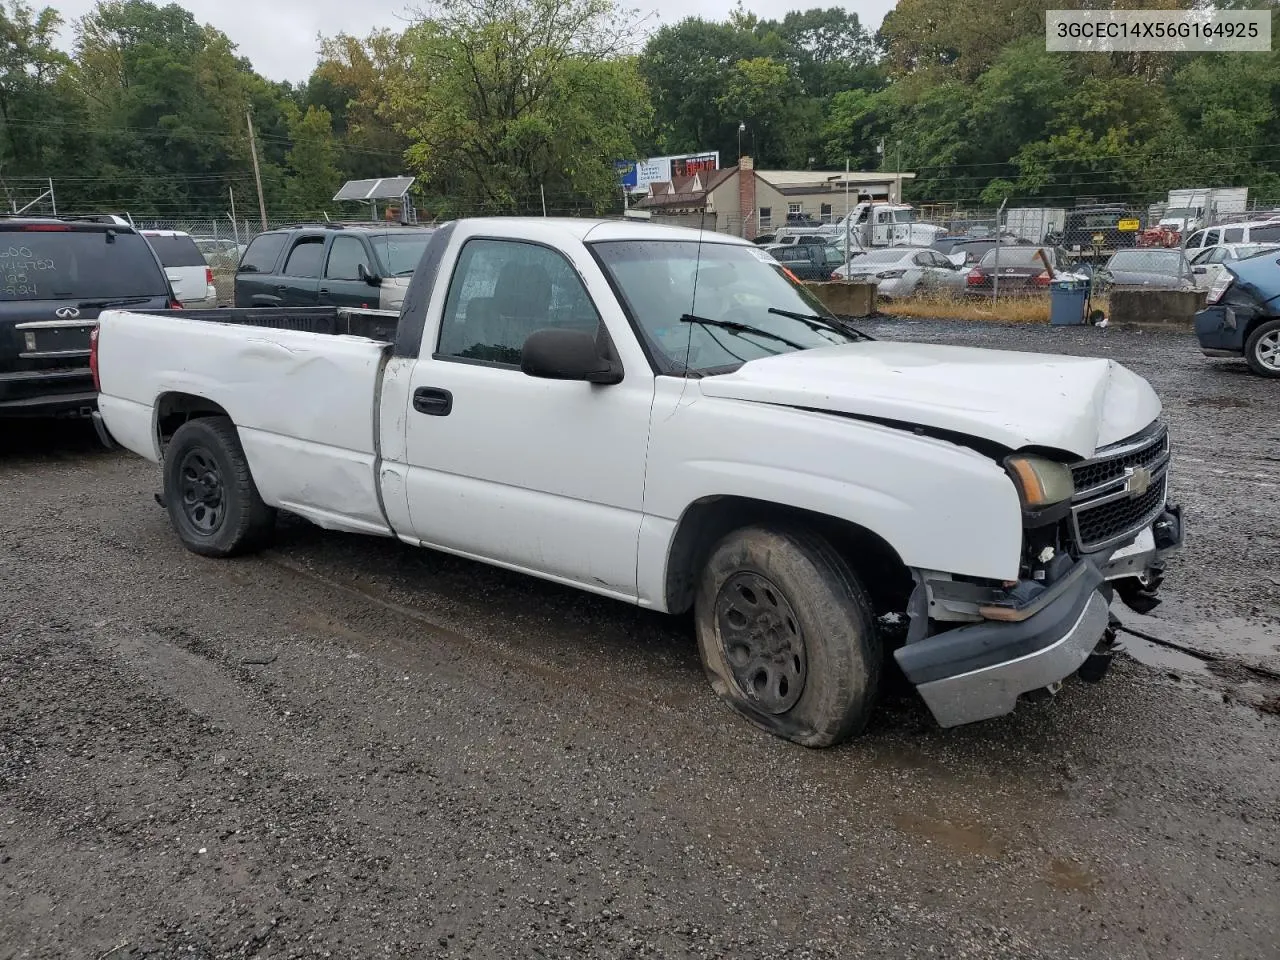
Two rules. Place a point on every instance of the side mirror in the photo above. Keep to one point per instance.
(370, 278)
(557, 354)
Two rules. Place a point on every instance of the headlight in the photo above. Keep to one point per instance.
(1041, 482)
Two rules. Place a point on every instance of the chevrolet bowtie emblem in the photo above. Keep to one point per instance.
(1137, 481)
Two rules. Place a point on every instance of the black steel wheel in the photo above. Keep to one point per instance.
(762, 640)
(213, 503)
(203, 500)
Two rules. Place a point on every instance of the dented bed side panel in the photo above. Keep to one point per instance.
(301, 401)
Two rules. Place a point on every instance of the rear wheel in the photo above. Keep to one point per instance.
(1262, 349)
(786, 635)
(212, 501)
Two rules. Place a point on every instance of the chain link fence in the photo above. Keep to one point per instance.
(1082, 238)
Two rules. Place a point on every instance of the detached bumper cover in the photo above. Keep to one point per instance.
(976, 672)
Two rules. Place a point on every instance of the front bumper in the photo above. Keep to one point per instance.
(980, 670)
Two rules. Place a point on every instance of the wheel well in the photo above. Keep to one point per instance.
(175, 409)
(707, 521)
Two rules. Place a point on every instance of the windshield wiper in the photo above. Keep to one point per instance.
(108, 304)
(822, 323)
(740, 328)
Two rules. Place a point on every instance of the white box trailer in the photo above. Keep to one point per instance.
(1033, 224)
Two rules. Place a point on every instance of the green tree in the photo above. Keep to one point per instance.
(502, 98)
(40, 105)
(353, 81)
(313, 174)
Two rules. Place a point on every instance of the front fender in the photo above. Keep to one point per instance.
(940, 505)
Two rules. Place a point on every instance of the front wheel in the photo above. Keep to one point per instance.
(786, 635)
(212, 500)
(1262, 349)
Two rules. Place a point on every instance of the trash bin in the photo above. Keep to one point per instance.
(1067, 299)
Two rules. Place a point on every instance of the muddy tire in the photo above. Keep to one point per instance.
(786, 635)
(212, 501)
(1262, 349)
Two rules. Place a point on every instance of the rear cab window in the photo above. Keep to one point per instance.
(262, 254)
(62, 263)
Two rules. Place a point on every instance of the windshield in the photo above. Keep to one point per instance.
(1014, 256)
(1146, 261)
(398, 253)
(660, 280)
(77, 264)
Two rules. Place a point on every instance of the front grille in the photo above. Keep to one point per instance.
(1107, 468)
(1104, 509)
(1119, 518)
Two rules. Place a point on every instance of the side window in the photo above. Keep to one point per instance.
(1196, 240)
(504, 290)
(264, 250)
(1233, 235)
(1219, 255)
(1213, 238)
(304, 258)
(1267, 234)
(345, 259)
(922, 260)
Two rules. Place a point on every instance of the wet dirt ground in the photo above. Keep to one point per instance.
(345, 747)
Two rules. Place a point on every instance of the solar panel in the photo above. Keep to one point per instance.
(386, 188)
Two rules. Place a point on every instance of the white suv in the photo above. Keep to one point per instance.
(188, 270)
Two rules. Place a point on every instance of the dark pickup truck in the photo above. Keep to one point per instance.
(56, 276)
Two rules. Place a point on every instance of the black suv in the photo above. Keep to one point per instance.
(56, 276)
(331, 264)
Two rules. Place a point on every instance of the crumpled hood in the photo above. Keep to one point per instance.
(1075, 404)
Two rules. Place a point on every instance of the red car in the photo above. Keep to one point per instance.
(1022, 270)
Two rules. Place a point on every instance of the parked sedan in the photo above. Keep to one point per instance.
(1021, 270)
(1146, 268)
(1241, 317)
(903, 271)
(1208, 263)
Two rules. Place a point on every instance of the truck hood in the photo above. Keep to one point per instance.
(1073, 404)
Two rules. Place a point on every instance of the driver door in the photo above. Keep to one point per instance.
(543, 476)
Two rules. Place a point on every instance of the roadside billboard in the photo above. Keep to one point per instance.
(636, 175)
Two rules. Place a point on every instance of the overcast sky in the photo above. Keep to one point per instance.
(279, 36)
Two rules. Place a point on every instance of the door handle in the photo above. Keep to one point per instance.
(433, 401)
(324, 290)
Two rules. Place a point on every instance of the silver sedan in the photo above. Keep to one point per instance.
(904, 272)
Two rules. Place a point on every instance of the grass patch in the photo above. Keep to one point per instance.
(1032, 309)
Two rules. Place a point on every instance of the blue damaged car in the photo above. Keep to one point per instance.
(1241, 317)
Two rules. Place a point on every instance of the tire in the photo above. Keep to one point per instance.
(212, 501)
(1262, 349)
(809, 634)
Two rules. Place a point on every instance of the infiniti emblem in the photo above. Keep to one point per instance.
(1137, 481)
(67, 313)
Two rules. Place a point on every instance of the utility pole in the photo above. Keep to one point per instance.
(235, 229)
(848, 238)
(257, 173)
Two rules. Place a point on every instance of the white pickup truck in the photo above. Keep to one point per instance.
(667, 418)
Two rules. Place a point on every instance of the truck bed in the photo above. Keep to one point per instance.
(334, 321)
(300, 384)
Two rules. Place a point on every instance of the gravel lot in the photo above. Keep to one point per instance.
(348, 748)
